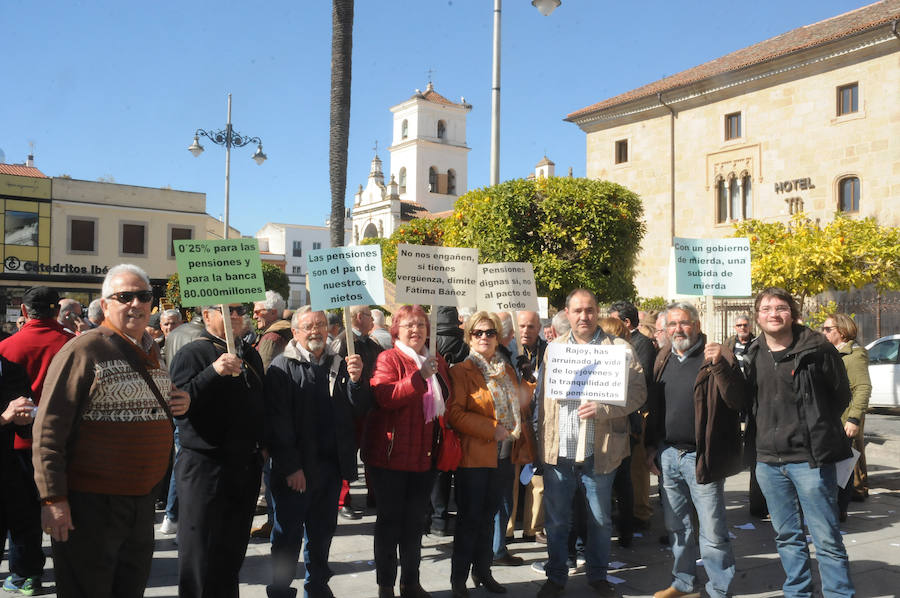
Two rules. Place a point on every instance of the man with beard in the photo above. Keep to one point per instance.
(218, 472)
(312, 397)
(101, 445)
(801, 391)
(693, 443)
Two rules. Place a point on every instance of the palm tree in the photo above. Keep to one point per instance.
(341, 50)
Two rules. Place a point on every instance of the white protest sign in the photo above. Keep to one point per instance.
(437, 275)
(587, 372)
(507, 286)
(543, 307)
(712, 267)
(344, 276)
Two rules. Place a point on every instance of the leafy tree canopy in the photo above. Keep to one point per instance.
(276, 280)
(576, 232)
(421, 231)
(806, 258)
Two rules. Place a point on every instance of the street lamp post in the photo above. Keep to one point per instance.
(229, 138)
(545, 7)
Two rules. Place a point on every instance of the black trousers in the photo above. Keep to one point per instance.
(479, 491)
(402, 498)
(216, 501)
(109, 552)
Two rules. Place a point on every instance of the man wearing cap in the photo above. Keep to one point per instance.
(33, 347)
(101, 445)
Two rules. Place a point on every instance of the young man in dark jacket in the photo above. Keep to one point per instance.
(693, 443)
(312, 396)
(801, 390)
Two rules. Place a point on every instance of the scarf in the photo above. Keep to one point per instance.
(433, 399)
(506, 405)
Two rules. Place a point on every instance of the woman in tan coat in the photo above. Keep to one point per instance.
(485, 409)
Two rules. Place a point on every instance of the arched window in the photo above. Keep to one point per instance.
(451, 182)
(735, 195)
(402, 182)
(432, 180)
(441, 129)
(721, 202)
(371, 231)
(848, 194)
(404, 129)
(746, 189)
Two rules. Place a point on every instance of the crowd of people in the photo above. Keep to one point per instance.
(92, 407)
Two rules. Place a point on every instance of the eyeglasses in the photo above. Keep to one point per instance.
(828, 328)
(128, 296)
(778, 309)
(491, 333)
(741, 325)
(314, 326)
(416, 325)
(682, 323)
(237, 310)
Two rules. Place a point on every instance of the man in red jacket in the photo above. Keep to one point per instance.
(32, 348)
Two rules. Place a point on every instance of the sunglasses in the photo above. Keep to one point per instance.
(238, 309)
(488, 333)
(128, 296)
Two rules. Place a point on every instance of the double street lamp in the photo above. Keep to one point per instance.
(229, 138)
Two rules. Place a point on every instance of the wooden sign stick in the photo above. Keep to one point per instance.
(348, 329)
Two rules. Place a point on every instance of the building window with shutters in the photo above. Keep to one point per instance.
(848, 194)
(732, 126)
(848, 99)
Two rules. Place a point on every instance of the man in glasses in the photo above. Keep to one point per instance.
(217, 474)
(606, 445)
(693, 443)
(312, 398)
(801, 391)
(33, 347)
(102, 441)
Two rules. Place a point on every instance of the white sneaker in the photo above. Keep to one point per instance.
(168, 527)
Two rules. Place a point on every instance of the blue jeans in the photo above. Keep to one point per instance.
(789, 488)
(505, 473)
(560, 481)
(309, 515)
(679, 492)
(172, 500)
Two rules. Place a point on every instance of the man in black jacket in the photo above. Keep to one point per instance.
(693, 444)
(217, 474)
(312, 396)
(801, 391)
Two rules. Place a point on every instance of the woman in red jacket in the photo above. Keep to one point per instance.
(410, 387)
(486, 412)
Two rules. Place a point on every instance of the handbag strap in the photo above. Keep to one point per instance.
(142, 370)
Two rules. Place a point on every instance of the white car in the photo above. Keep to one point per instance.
(884, 370)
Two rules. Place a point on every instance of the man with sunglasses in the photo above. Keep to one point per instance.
(102, 441)
(218, 471)
(739, 342)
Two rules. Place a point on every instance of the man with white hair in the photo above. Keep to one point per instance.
(379, 331)
(274, 333)
(70, 316)
(101, 444)
(95, 313)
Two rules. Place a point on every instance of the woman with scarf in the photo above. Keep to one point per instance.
(486, 411)
(410, 387)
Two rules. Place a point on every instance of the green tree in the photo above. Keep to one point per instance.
(341, 54)
(173, 290)
(421, 231)
(806, 258)
(276, 280)
(575, 232)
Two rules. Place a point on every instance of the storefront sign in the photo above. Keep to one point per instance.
(14, 264)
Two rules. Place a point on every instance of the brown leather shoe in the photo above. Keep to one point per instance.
(263, 531)
(671, 592)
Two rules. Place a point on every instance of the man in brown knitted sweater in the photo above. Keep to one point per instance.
(101, 443)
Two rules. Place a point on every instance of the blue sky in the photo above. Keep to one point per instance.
(116, 89)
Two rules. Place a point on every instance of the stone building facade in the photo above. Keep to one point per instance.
(807, 121)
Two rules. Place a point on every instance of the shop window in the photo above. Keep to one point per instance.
(82, 235)
(621, 151)
(134, 239)
(848, 99)
(733, 126)
(848, 194)
(21, 228)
